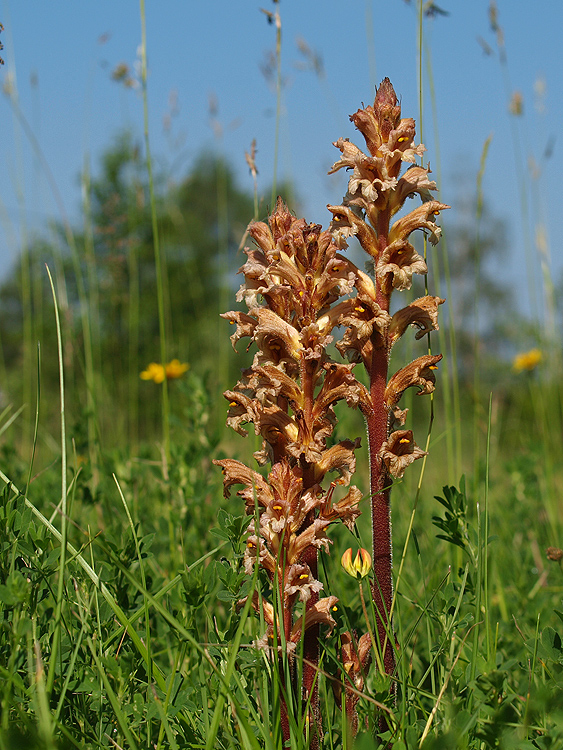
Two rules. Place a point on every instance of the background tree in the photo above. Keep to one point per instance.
(108, 280)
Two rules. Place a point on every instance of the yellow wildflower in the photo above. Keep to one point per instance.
(154, 372)
(527, 360)
(171, 371)
(175, 369)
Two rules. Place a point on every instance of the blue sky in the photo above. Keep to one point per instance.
(60, 54)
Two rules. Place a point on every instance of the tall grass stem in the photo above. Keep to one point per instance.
(158, 259)
(64, 518)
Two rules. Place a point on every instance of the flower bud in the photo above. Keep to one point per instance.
(361, 565)
(555, 554)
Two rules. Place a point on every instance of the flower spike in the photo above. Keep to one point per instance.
(376, 192)
(302, 294)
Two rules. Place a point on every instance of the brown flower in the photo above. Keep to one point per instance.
(421, 314)
(256, 547)
(276, 339)
(346, 223)
(415, 180)
(267, 382)
(361, 316)
(254, 282)
(242, 409)
(399, 451)
(339, 384)
(419, 218)
(400, 147)
(397, 417)
(318, 614)
(339, 457)
(345, 510)
(396, 265)
(356, 656)
(369, 183)
(289, 498)
(314, 535)
(300, 583)
(418, 374)
(385, 132)
(255, 486)
(246, 325)
(376, 123)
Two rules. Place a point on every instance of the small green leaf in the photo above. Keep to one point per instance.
(552, 645)
(15, 590)
(225, 596)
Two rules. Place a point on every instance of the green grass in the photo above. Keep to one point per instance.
(133, 637)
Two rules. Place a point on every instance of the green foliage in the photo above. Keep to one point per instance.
(149, 651)
(453, 526)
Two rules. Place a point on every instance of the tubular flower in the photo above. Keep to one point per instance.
(356, 658)
(362, 316)
(396, 265)
(421, 314)
(418, 374)
(346, 223)
(399, 451)
(318, 614)
(415, 180)
(420, 218)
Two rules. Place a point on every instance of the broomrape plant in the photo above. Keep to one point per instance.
(298, 289)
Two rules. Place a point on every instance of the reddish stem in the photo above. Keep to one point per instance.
(382, 588)
(284, 716)
(309, 688)
(380, 480)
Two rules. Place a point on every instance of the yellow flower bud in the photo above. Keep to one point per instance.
(361, 565)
